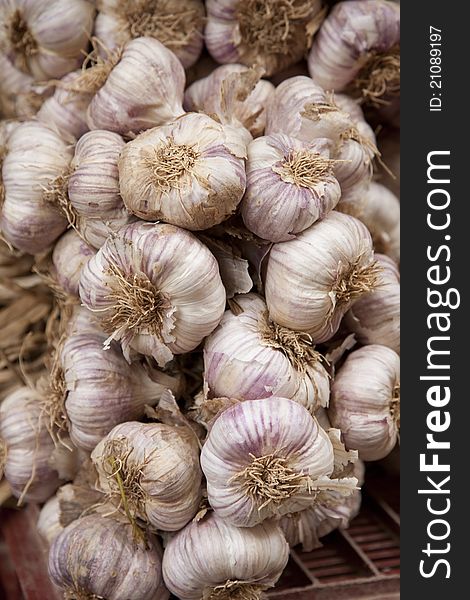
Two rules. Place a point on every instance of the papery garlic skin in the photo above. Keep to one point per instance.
(185, 297)
(290, 185)
(69, 257)
(353, 33)
(144, 90)
(365, 401)
(247, 357)
(15, 83)
(46, 38)
(36, 158)
(28, 447)
(265, 458)
(210, 555)
(249, 96)
(189, 173)
(49, 525)
(179, 26)
(271, 34)
(313, 280)
(98, 556)
(375, 318)
(160, 467)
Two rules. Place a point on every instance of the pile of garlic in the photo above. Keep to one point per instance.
(222, 251)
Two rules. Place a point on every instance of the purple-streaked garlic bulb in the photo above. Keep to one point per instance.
(49, 525)
(365, 401)
(358, 49)
(153, 470)
(313, 280)
(272, 34)
(189, 173)
(266, 458)
(178, 25)
(249, 357)
(290, 185)
(140, 88)
(45, 38)
(234, 93)
(99, 556)
(69, 256)
(35, 173)
(375, 318)
(212, 559)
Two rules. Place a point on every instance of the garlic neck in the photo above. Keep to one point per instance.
(234, 590)
(379, 78)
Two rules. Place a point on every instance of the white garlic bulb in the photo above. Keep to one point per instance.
(98, 557)
(358, 47)
(177, 25)
(234, 93)
(290, 185)
(35, 171)
(375, 318)
(156, 288)
(212, 559)
(27, 447)
(189, 173)
(272, 34)
(313, 280)
(265, 458)
(69, 256)
(143, 90)
(45, 39)
(153, 471)
(365, 401)
(49, 525)
(249, 357)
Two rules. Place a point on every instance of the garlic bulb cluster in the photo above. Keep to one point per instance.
(97, 557)
(234, 93)
(290, 185)
(35, 170)
(140, 88)
(272, 34)
(177, 25)
(375, 318)
(212, 559)
(358, 49)
(69, 256)
(151, 471)
(156, 289)
(368, 415)
(328, 266)
(266, 458)
(249, 357)
(49, 525)
(189, 173)
(45, 39)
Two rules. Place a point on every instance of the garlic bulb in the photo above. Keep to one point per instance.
(212, 559)
(179, 26)
(46, 38)
(49, 525)
(93, 186)
(375, 318)
(358, 48)
(190, 173)
(143, 90)
(156, 289)
(249, 357)
(234, 93)
(97, 557)
(313, 280)
(265, 458)
(27, 447)
(152, 472)
(69, 257)
(6, 128)
(272, 34)
(290, 185)
(368, 415)
(102, 389)
(35, 171)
